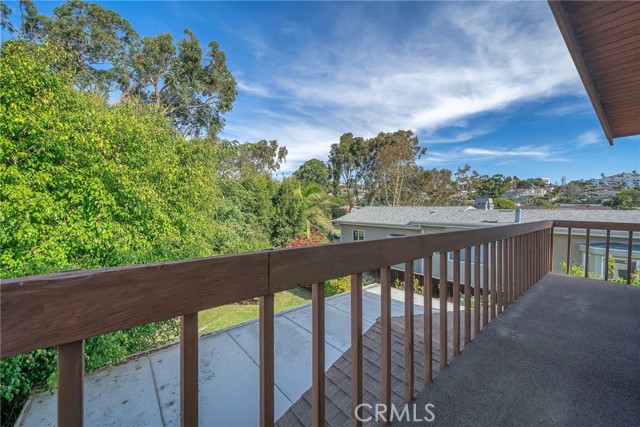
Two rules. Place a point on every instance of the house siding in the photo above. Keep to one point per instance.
(578, 237)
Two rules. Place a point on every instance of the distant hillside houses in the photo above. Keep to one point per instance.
(631, 180)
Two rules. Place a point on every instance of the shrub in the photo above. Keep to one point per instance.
(337, 286)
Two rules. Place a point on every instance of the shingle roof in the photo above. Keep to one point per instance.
(414, 215)
(338, 377)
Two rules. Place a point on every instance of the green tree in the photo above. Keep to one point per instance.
(346, 160)
(494, 186)
(499, 203)
(84, 184)
(314, 171)
(317, 209)
(262, 157)
(433, 187)
(288, 218)
(468, 182)
(618, 201)
(106, 55)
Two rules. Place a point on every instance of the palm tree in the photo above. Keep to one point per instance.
(618, 201)
(316, 208)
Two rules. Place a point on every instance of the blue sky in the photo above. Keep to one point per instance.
(489, 84)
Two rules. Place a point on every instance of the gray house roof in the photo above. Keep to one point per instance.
(404, 216)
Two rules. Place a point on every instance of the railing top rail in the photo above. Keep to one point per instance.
(75, 305)
(592, 225)
(290, 267)
(46, 310)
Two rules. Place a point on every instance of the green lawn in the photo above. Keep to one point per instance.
(228, 315)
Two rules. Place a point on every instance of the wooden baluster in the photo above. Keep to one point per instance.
(587, 253)
(569, 250)
(456, 302)
(507, 273)
(517, 267)
(443, 310)
(485, 284)
(428, 319)
(606, 255)
(385, 336)
(629, 250)
(70, 384)
(529, 263)
(266, 361)
(467, 296)
(189, 370)
(356, 348)
(550, 253)
(317, 350)
(408, 331)
(500, 278)
(534, 261)
(494, 274)
(476, 292)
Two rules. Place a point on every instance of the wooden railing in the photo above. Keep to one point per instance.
(66, 308)
(608, 227)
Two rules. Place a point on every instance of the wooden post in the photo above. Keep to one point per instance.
(569, 250)
(550, 242)
(587, 253)
(408, 331)
(385, 336)
(476, 292)
(266, 361)
(428, 319)
(356, 348)
(494, 274)
(606, 255)
(189, 370)
(485, 285)
(70, 384)
(317, 350)
(629, 250)
(456, 302)
(467, 296)
(443, 310)
(500, 278)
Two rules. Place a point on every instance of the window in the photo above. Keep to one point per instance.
(358, 235)
(396, 235)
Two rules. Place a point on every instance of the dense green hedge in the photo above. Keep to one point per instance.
(84, 185)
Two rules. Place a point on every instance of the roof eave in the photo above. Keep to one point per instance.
(562, 19)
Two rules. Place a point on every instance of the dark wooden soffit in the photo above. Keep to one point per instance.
(603, 38)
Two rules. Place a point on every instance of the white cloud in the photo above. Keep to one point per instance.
(453, 62)
(589, 138)
(504, 155)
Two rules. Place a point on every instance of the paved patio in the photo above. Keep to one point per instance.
(145, 391)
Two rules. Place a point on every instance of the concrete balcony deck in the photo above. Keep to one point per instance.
(566, 353)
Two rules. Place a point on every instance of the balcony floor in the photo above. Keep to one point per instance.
(566, 353)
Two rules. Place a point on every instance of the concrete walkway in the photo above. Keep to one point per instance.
(567, 353)
(145, 391)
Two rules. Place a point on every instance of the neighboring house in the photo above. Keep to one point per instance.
(380, 222)
(525, 193)
(631, 180)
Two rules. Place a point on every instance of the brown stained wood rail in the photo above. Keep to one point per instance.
(65, 308)
(607, 227)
